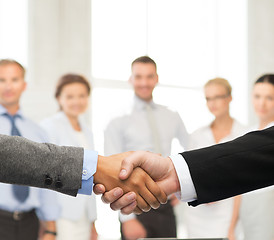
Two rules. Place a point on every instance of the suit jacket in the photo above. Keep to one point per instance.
(232, 168)
(61, 132)
(41, 165)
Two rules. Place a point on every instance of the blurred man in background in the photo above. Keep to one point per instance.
(150, 127)
(20, 206)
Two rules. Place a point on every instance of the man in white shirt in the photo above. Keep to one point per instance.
(150, 127)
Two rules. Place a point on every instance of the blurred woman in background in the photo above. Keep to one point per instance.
(68, 129)
(257, 208)
(217, 219)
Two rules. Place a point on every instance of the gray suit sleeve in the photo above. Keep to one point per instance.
(41, 165)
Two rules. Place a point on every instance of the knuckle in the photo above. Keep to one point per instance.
(135, 182)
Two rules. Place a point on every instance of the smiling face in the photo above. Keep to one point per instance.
(263, 100)
(144, 78)
(74, 99)
(12, 84)
(217, 99)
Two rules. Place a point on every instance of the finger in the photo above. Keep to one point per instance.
(129, 163)
(149, 198)
(123, 201)
(157, 191)
(99, 189)
(137, 211)
(112, 195)
(142, 204)
(129, 209)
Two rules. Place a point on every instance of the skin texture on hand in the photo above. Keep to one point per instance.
(161, 169)
(133, 230)
(148, 193)
(127, 202)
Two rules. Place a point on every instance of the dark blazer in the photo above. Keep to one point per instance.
(40, 164)
(232, 168)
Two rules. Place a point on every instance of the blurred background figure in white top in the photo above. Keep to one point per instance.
(68, 129)
(257, 208)
(217, 219)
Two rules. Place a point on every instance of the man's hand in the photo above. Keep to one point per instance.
(160, 169)
(127, 202)
(148, 193)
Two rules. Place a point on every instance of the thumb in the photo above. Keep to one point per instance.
(99, 189)
(129, 163)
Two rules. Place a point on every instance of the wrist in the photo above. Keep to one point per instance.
(96, 176)
(174, 179)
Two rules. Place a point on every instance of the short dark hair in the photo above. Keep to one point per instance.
(7, 61)
(68, 79)
(144, 59)
(266, 78)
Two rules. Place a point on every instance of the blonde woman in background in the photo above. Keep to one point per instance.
(66, 128)
(217, 219)
(257, 208)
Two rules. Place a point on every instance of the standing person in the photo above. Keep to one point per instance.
(66, 128)
(151, 127)
(21, 206)
(216, 219)
(257, 208)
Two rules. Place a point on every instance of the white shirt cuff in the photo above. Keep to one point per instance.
(188, 192)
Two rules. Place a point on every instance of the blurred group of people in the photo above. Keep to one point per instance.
(147, 126)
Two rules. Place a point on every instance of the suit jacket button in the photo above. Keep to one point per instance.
(58, 184)
(48, 180)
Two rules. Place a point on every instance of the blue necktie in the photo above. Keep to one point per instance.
(20, 192)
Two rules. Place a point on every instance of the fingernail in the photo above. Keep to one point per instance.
(118, 192)
(123, 172)
(131, 197)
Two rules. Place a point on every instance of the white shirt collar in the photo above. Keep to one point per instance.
(140, 104)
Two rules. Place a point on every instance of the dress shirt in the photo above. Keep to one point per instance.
(43, 200)
(131, 131)
(60, 132)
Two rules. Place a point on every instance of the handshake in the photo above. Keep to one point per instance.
(135, 181)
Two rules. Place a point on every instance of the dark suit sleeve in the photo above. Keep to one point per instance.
(232, 168)
(40, 164)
